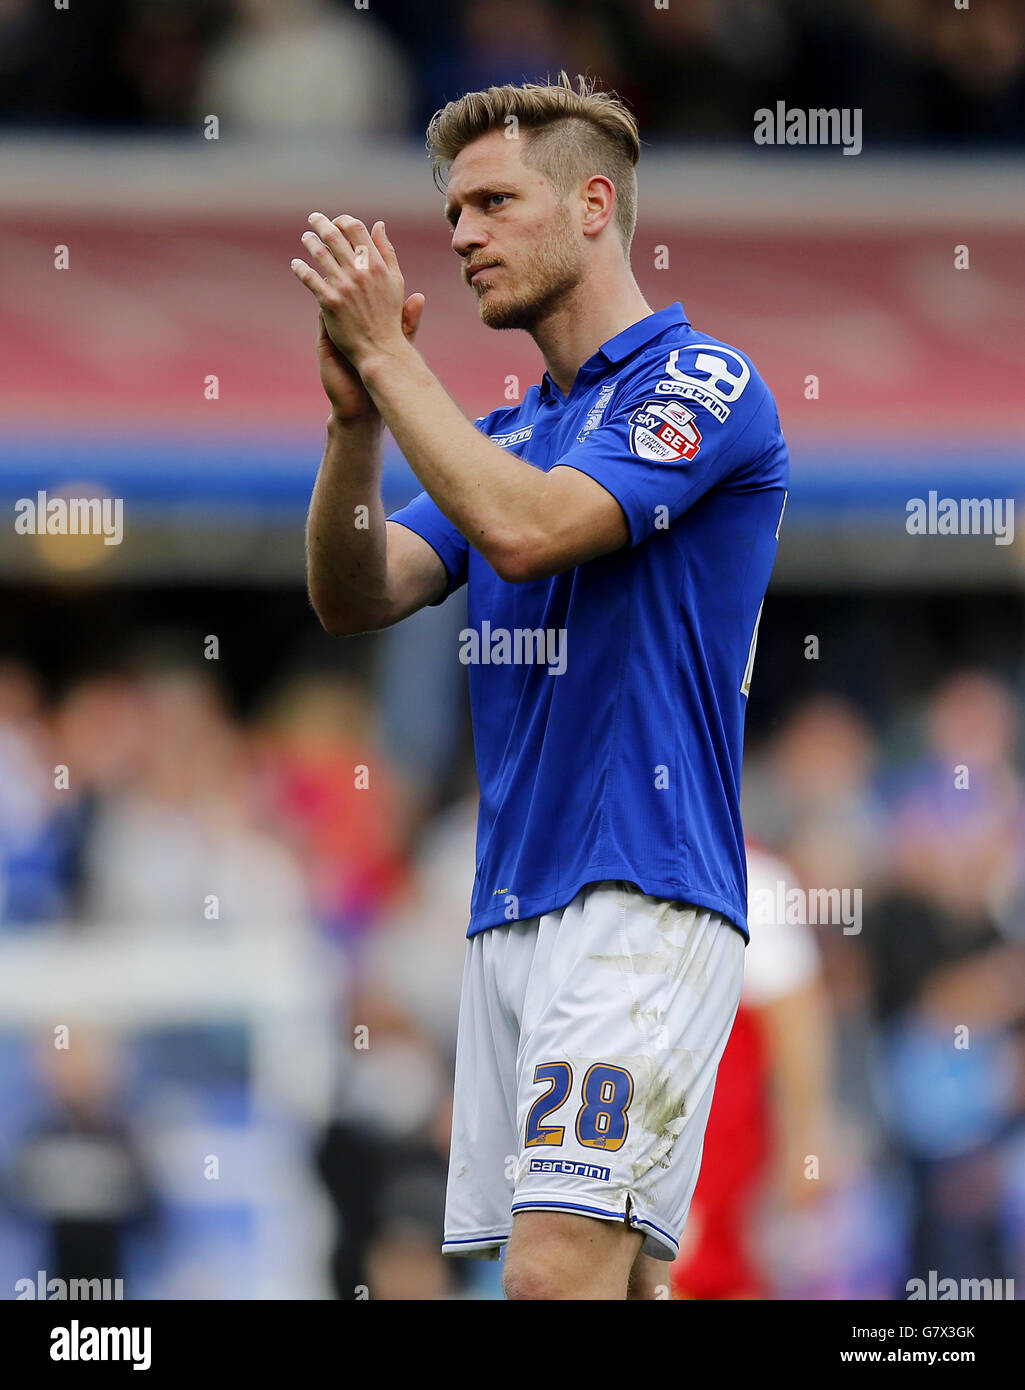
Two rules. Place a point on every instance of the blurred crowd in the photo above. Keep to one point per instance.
(167, 798)
(926, 815)
(921, 72)
(133, 794)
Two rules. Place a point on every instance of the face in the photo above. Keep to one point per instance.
(508, 218)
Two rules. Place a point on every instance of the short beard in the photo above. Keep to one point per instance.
(556, 268)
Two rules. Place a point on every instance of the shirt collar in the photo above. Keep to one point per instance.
(625, 344)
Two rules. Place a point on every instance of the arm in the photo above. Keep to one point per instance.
(800, 1045)
(362, 578)
(526, 523)
(368, 575)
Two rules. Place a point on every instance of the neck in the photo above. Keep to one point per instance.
(585, 317)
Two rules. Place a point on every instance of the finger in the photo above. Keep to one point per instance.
(329, 261)
(356, 234)
(327, 348)
(330, 236)
(412, 313)
(309, 277)
(379, 236)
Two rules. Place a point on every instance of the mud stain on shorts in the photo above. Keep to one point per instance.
(685, 963)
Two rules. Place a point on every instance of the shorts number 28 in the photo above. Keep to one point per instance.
(606, 1093)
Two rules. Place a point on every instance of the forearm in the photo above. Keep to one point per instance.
(498, 502)
(799, 1045)
(346, 547)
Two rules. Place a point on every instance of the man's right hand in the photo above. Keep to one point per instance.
(348, 396)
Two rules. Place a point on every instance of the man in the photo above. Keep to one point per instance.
(616, 532)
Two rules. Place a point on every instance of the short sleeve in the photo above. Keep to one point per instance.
(425, 517)
(659, 449)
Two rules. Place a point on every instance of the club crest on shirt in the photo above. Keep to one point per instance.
(594, 415)
(664, 431)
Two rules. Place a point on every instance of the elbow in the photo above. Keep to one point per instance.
(514, 570)
(334, 627)
(515, 560)
(341, 621)
(333, 623)
(346, 625)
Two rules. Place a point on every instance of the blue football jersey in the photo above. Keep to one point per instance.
(608, 701)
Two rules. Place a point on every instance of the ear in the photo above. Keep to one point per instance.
(599, 197)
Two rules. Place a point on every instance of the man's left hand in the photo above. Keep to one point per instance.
(356, 280)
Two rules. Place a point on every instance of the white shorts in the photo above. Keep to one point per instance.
(588, 1044)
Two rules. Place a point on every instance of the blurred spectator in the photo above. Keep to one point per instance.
(121, 65)
(511, 44)
(417, 957)
(813, 790)
(947, 980)
(162, 51)
(183, 829)
(32, 881)
(383, 1160)
(701, 70)
(959, 823)
(334, 796)
(964, 79)
(80, 1171)
(295, 65)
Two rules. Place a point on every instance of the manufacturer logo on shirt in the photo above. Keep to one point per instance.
(718, 389)
(711, 403)
(664, 431)
(517, 437)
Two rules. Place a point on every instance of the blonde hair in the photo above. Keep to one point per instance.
(571, 135)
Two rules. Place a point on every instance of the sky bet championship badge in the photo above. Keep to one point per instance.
(664, 431)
